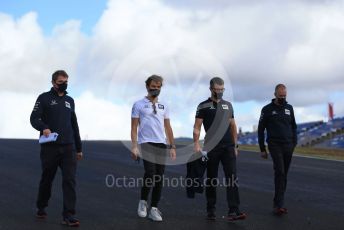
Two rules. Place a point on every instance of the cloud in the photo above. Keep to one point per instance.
(15, 115)
(27, 57)
(101, 119)
(253, 45)
(294, 43)
(97, 118)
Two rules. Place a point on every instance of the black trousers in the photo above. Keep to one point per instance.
(226, 155)
(281, 154)
(52, 157)
(154, 156)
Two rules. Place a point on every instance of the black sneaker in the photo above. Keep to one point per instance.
(41, 214)
(71, 221)
(233, 216)
(211, 215)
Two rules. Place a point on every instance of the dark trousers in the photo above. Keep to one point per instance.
(154, 156)
(52, 157)
(226, 155)
(281, 154)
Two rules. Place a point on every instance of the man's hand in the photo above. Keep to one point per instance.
(236, 151)
(264, 155)
(197, 147)
(173, 154)
(134, 152)
(79, 156)
(46, 132)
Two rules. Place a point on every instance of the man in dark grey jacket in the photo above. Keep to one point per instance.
(278, 119)
(54, 111)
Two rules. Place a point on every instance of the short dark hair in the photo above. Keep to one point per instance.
(155, 78)
(278, 86)
(58, 73)
(217, 81)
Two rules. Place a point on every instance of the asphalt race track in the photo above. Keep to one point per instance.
(315, 194)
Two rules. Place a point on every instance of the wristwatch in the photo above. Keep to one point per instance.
(171, 147)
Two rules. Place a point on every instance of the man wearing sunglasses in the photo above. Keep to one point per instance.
(220, 142)
(54, 112)
(150, 123)
(278, 119)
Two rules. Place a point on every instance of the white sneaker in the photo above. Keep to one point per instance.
(155, 214)
(142, 209)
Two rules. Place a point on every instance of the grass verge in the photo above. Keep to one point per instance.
(323, 153)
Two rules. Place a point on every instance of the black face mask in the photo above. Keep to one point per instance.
(154, 92)
(218, 96)
(62, 87)
(281, 101)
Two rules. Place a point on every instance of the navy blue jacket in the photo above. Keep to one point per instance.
(57, 113)
(279, 122)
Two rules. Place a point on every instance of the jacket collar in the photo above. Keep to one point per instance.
(209, 100)
(273, 103)
(147, 100)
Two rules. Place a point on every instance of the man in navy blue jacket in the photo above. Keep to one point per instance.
(278, 119)
(54, 111)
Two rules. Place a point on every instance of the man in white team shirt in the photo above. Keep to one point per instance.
(149, 124)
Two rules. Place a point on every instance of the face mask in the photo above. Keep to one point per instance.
(218, 96)
(281, 101)
(154, 92)
(62, 87)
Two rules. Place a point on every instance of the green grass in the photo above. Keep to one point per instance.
(324, 153)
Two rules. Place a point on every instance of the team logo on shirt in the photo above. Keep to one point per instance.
(274, 112)
(53, 102)
(212, 107)
(160, 106)
(67, 104)
(225, 107)
(287, 111)
(36, 106)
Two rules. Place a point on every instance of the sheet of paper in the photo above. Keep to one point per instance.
(52, 137)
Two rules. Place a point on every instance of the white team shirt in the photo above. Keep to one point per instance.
(151, 126)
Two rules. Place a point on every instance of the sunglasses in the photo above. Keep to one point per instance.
(154, 108)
